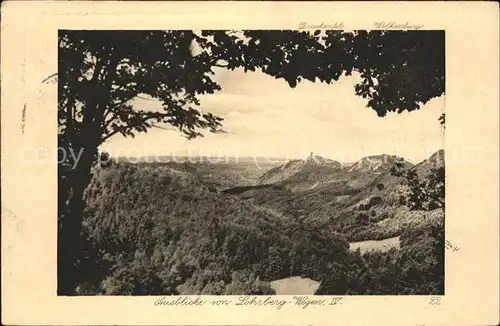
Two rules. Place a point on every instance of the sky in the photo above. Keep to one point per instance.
(264, 117)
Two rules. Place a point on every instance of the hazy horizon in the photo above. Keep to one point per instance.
(264, 117)
(236, 159)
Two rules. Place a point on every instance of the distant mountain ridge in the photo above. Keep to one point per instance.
(201, 159)
(316, 170)
(363, 201)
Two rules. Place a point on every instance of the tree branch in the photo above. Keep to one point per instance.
(164, 128)
(111, 108)
(129, 126)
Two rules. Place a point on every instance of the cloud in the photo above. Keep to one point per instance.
(223, 104)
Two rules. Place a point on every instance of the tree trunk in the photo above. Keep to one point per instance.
(70, 241)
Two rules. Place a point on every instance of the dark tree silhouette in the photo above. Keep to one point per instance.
(426, 192)
(100, 72)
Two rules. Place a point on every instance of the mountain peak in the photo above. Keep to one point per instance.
(319, 160)
(297, 170)
(377, 162)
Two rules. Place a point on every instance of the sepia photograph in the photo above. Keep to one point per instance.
(251, 162)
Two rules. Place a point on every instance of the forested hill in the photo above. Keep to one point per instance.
(162, 231)
(367, 201)
(302, 174)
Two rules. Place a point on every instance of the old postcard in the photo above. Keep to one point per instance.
(250, 163)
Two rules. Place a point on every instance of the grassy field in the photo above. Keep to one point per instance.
(381, 245)
(295, 285)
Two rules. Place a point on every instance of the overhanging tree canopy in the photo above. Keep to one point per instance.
(101, 71)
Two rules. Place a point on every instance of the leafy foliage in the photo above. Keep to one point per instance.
(412, 60)
(442, 120)
(426, 191)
